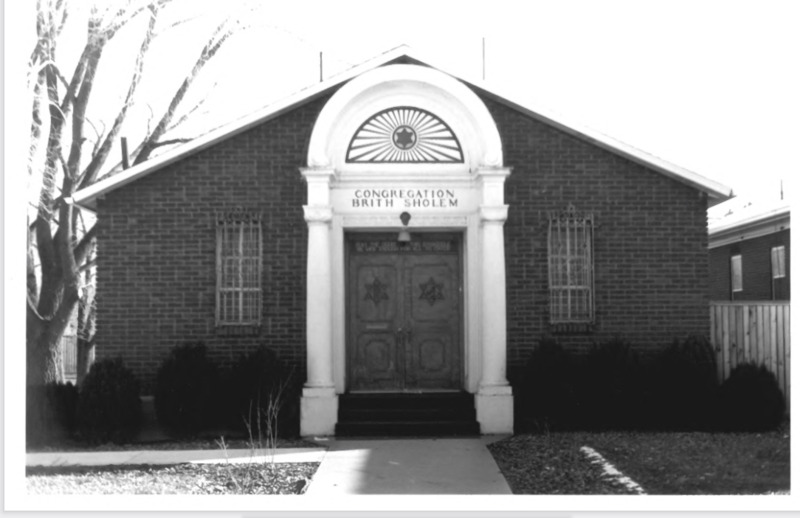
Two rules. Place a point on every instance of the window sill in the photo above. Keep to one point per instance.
(573, 328)
(237, 330)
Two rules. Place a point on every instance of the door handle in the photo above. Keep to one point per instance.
(398, 336)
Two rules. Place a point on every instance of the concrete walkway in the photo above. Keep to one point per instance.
(162, 457)
(408, 467)
(347, 467)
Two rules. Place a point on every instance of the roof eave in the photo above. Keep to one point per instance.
(756, 226)
(717, 192)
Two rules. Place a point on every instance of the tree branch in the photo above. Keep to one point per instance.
(215, 42)
(171, 142)
(93, 169)
(84, 246)
(77, 78)
(87, 265)
(81, 104)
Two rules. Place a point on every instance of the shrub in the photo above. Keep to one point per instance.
(684, 382)
(611, 389)
(109, 408)
(50, 413)
(264, 394)
(750, 400)
(546, 392)
(187, 390)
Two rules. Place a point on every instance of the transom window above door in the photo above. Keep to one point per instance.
(404, 135)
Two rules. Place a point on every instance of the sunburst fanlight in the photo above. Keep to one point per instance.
(404, 135)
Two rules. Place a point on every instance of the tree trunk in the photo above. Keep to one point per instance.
(44, 355)
(85, 359)
(44, 347)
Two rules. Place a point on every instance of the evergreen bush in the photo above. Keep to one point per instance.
(684, 383)
(546, 390)
(612, 389)
(109, 408)
(50, 413)
(750, 400)
(187, 390)
(264, 395)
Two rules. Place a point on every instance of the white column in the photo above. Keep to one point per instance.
(493, 297)
(494, 402)
(319, 403)
(318, 298)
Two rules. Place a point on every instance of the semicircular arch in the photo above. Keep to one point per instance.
(464, 122)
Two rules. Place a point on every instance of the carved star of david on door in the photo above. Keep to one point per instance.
(431, 291)
(376, 291)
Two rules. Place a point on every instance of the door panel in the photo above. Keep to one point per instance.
(434, 320)
(404, 307)
(375, 360)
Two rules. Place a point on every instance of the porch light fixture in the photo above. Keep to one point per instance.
(404, 236)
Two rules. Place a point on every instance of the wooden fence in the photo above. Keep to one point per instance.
(752, 332)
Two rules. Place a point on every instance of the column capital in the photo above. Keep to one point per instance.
(317, 214)
(318, 174)
(493, 173)
(493, 214)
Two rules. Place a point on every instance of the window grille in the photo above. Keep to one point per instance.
(571, 267)
(778, 262)
(239, 251)
(736, 273)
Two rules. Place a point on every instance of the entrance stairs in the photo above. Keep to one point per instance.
(407, 414)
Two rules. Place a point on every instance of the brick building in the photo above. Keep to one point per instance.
(749, 250)
(397, 229)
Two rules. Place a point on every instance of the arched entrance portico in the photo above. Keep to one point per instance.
(406, 139)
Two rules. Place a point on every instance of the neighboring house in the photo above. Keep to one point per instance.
(750, 250)
(397, 229)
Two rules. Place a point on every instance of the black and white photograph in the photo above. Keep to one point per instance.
(399, 256)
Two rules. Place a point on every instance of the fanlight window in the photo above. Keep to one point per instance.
(404, 135)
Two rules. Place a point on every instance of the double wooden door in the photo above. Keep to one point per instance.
(404, 312)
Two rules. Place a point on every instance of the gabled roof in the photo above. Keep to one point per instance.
(740, 219)
(87, 197)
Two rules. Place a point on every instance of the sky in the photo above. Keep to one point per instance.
(711, 86)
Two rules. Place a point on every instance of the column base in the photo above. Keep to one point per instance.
(319, 411)
(494, 406)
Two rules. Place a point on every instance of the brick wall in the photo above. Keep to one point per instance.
(156, 280)
(650, 256)
(756, 269)
(157, 241)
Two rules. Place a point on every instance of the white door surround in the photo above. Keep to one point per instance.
(463, 197)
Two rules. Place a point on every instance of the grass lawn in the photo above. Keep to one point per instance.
(701, 463)
(180, 479)
(690, 463)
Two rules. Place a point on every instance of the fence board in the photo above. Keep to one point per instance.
(773, 338)
(780, 348)
(757, 332)
(716, 339)
(787, 355)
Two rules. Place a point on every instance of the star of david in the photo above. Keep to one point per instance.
(431, 291)
(376, 291)
(404, 137)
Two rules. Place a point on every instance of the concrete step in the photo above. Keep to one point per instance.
(404, 414)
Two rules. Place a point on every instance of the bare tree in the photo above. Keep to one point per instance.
(69, 151)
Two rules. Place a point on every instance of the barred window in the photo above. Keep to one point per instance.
(571, 267)
(736, 273)
(778, 262)
(238, 268)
